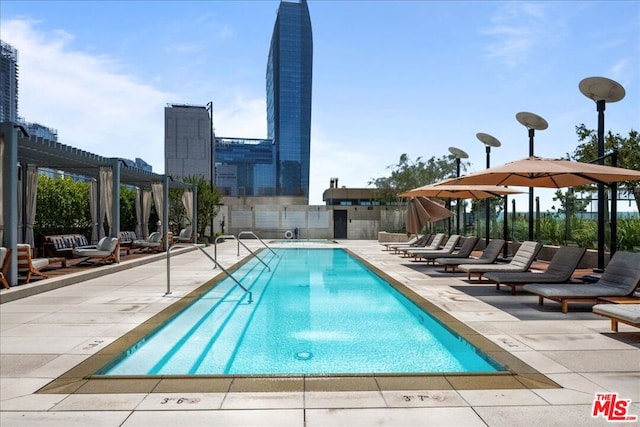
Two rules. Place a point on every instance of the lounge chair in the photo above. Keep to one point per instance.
(412, 241)
(185, 235)
(153, 243)
(559, 270)
(448, 248)
(489, 256)
(468, 243)
(619, 313)
(4, 265)
(420, 243)
(521, 261)
(29, 266)
(107, 250)
(620, 279)
(435, 244)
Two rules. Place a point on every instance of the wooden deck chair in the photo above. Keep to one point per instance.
(619, 313)
(621, 278)
(29, 266)
(107, 250)
(559, 270)
(5, 254)
(521, 261)
(489, 256)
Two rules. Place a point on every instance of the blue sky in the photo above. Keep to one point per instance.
(390, 77)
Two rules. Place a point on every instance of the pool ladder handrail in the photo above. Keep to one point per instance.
(201, 248)
(251, 233)
(237, 238)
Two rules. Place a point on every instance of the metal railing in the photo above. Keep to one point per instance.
(251, 233)
(231, 236)
(216, 263)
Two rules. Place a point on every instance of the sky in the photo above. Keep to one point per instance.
(389, 77)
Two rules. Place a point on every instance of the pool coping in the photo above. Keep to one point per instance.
(82, 379)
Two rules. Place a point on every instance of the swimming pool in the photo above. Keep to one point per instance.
(318, 311)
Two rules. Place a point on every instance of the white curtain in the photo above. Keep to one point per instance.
(146, 212)
(1, 191)
(93, 204)
(106, 198)
(187, 201)
(158, 197)
(32, 197)
(21, 183)
(138, 213)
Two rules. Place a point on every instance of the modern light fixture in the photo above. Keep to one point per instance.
(532, 122)
(458, 154)
(603, 90)
(489, 141)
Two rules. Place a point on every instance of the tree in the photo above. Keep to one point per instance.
(628, 150)
(62, 206)
(208, 204)
(128, 220)
(408, 174)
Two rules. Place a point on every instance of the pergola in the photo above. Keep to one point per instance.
(30, 152)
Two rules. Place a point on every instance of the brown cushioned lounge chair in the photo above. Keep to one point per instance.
(559, 270)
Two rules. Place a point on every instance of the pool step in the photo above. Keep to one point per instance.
(221, 353)
(192, 331)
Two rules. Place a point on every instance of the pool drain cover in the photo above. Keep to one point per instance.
(304, 355)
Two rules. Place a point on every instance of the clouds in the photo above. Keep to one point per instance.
(516, 29)
(89, 99)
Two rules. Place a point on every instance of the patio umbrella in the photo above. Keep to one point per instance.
(549, 173)
(446, 190)
(421, 210)
(553, 173)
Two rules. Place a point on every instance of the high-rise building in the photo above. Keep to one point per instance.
(244, 167)
(8, 83)
(277, 165)
(289, 78)
(188, 137)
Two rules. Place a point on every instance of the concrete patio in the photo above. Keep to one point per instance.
(46, 334)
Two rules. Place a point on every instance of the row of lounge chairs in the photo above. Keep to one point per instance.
(620, 279)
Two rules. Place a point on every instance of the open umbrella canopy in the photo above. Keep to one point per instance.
(421, 210)
(548, 173)
(445, 190)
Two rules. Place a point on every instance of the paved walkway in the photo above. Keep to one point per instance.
(47, 334)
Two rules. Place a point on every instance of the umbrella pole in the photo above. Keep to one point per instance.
(614, 209)
(505, 228)
(601, 202)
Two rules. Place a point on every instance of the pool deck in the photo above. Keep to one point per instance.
(45, 335)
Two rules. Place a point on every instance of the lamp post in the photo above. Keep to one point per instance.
(532, 122)
(458, 154)
(602, 90)
(213, 143)
(488, 141)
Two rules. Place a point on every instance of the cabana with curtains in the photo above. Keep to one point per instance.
(23, 154)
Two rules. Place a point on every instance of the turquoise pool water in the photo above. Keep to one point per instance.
(318, 311)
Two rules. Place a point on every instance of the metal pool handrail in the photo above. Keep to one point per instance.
(231, 236)
(201, 248)
(251, 233)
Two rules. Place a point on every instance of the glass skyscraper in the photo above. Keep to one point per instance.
(289, 77)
